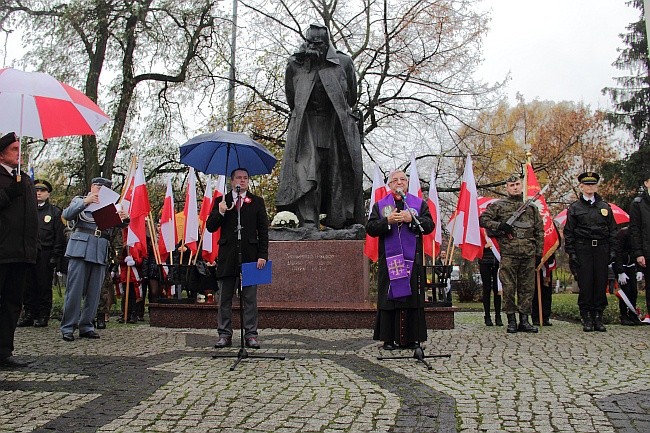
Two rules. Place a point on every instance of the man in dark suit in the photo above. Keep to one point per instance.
(254, 248)
(18, 243)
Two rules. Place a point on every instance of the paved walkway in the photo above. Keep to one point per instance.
(142, 379)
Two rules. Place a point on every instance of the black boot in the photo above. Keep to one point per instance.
(587, 321)
(101, 321)
(598, 321)
(512, 323)
(497, 319)
(524, 324)
(488, 320)
(26, 320)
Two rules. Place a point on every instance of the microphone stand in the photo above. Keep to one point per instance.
(418, 353)
(242, 353)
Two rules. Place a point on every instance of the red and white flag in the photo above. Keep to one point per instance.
(210, 250)
(483, 203)
(167, 239)
(551, 235)
(190, 212)
(379, 191)
(416, 189)
(434, 209)
(136, 237)
(463, 225)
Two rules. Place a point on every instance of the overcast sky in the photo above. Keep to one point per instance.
(556, 49)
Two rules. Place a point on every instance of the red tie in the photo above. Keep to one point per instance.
(238, 203)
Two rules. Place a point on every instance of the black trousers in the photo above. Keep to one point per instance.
(547, 296)
(38, 288)
(592, 276)
(489, 273)
(12, 283)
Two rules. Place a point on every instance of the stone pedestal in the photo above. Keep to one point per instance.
(316, 285)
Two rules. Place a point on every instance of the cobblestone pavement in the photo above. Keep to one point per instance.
(142, 379)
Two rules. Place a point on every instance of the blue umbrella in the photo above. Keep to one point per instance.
(221, 152)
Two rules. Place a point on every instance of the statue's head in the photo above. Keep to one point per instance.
(317, 41)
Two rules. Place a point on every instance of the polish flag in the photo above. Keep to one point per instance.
(434, 207)
(463, 224)
(168, 239)
(211, 240)
(379, 191)
(136, 237)
(483, 203)
(623, 297)
(416, 189)
(551, 235)
(190, 211)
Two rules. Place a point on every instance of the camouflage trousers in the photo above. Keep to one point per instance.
(517, 275)
(107, 295)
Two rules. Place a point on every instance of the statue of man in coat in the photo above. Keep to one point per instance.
(322, 167)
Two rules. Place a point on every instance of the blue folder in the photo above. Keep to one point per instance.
(251, 275)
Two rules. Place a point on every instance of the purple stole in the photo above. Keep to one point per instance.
(399, 245)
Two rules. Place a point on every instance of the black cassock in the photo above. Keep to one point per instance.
(402, 321)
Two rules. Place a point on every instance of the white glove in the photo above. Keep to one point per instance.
(639, 276)
(129, 261)
(622, 279)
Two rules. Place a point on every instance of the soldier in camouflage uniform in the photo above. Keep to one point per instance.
(521, 246)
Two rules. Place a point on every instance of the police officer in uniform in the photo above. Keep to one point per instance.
(37, 302)
(88, 253)
(590, 241)
(521, 247)
(640, 232)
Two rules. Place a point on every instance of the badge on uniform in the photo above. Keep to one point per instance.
(387, 210)
(47, 218)
(604, 212)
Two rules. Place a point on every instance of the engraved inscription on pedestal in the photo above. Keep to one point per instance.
(317, 272)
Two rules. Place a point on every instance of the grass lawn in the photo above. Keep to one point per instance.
(565, 306)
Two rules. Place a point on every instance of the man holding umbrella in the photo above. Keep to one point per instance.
(18, 242)
(254, 248)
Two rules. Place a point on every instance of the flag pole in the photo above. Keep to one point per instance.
(126, 291)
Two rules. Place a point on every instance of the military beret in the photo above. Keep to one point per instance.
(102, 181)
(513, 178)
(7, 139)
(589, 178)
(42, 184)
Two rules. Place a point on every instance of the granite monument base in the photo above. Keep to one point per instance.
(316, 285)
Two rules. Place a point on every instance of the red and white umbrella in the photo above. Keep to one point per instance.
(37, 105)
(620, 216)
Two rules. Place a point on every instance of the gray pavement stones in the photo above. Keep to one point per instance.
(142, 379)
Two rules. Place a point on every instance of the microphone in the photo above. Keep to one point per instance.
(238, 189)
(400, 193)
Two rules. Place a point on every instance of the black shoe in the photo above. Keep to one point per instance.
(488, 321)
(68, 337)
(223, 342)
(90, 334)
(536, 322)
(389, 346)
(512, 324)
(587, 321)
(101, 322)
(497, 320)
(598, 322)
(524, 324)
(253, 343)
(40, 323)
(25, 321)
(547, 323)
(12, 362)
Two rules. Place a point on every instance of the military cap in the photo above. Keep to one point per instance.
(42, 184)
(102, 181)
(513, 178)
(7, 139)
(589, 178)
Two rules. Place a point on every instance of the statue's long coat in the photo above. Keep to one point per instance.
(299, 171)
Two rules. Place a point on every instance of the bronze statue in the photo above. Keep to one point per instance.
(322, 167)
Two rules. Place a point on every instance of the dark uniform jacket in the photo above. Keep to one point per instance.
(18, 221)
(640, 225)
(528, 237)
(588, 222)
(625, 258)
(254, 236)
(51, 229)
